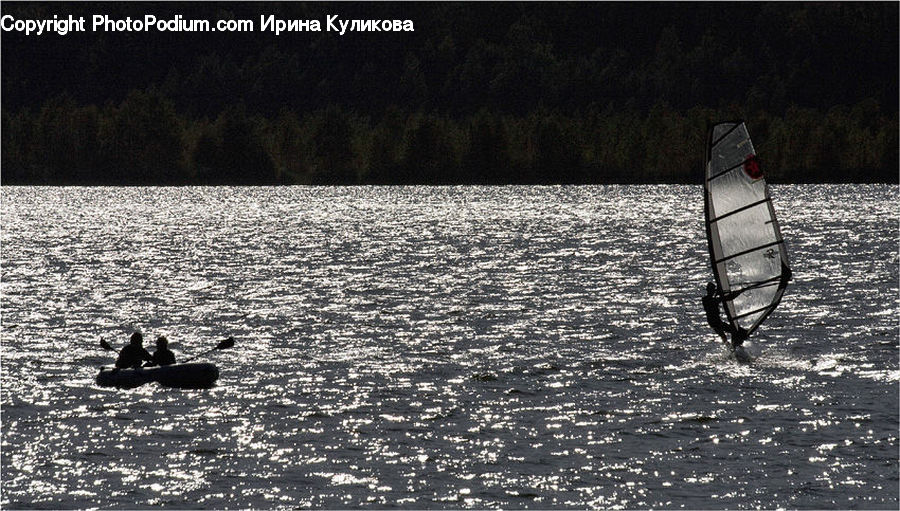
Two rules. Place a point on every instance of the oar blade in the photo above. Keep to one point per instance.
(105, 345)
(227, 343)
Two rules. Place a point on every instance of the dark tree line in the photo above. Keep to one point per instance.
(479, 93)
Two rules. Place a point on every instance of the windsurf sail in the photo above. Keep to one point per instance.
(746, 249)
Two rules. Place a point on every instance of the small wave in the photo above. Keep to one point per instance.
(485, 377)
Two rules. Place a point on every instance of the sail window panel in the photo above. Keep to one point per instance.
(748, 321)
(748, 230)
(734, 190)
(742, 277)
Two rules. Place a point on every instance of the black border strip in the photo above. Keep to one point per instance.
(738, 210)
(772, 244)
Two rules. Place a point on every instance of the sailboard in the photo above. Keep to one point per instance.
(747, 251)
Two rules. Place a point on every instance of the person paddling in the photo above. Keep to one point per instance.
(163, 356)
(133, 354)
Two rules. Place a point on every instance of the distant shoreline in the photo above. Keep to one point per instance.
(145, 140)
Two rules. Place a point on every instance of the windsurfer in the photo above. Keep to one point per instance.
(711, 305)
(134, 353)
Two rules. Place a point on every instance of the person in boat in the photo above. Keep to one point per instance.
(163, 356)
(133, 354)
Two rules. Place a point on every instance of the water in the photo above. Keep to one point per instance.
(474, 347)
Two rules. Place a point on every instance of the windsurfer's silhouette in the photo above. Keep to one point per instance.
(711, 305)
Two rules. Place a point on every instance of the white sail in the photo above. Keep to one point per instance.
(746, 248)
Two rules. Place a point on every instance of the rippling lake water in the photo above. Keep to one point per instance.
(451, 347)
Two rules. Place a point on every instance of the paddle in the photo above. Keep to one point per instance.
(105, 345)
(223, 345)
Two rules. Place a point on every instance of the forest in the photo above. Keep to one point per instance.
(492, 93)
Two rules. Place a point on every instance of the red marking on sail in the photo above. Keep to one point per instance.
(751, 167)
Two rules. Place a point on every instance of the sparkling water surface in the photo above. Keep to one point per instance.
(449, 347)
